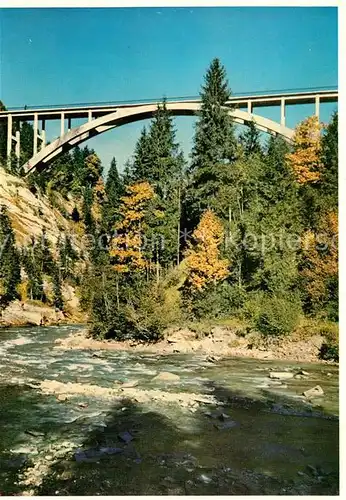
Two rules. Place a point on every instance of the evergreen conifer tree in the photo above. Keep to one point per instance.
(214, 145)
(9, 259)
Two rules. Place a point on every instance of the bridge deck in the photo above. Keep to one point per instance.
(80, 111)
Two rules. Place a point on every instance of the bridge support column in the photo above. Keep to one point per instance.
(90, 116)
(35, 133)
(68, 124)
(9, 136)
(43, 134)
(249, 107)
(283, 112)
(62, 124)
(18, 143)
(317, 107)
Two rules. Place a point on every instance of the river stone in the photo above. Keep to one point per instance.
(166, 377)
(125, 436)
(281, 375)
(130, 384)
(227, 424)
(314, 392)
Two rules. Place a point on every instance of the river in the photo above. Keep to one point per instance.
(68, 427)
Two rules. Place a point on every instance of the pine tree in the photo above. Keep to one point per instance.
(139, 170)
(68, 257)
(9, 260)
(33, 268)
(88, 218)
(159, 161)
(58, 301)
(43, 255)
(114, 191)
(215, 145)
(250, 140)
(328, 188)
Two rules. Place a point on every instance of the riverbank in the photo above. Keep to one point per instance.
(36, 314)
(219, 342)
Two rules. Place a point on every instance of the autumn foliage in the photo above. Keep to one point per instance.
(320, 266)
(305, 160)
(126, 246)
(203, 256)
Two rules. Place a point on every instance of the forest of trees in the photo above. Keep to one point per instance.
(247, 228)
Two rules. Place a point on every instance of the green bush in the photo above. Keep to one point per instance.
(329, 352)
(273, 315)
(216, 302)
(146, 310)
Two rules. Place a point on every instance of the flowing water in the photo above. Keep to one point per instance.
(221, 428)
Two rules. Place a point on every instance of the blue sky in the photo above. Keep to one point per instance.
(56, 56)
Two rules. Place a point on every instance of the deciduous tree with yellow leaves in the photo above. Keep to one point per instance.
(305, 160)
(320, 262)
(203, 256)
(126, 246)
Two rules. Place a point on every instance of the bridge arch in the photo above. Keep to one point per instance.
(125, 115)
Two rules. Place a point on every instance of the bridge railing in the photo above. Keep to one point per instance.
(170, 99)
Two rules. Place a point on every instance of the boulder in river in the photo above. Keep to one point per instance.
(129, 384)
(281, 375)
(166, 377)
(125, 436)
(314, 392)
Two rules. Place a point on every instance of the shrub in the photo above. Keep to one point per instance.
(216, 302)
(329, 352)
(272, 314)
(146, 310)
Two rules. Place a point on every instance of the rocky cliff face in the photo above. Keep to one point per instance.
(29, 213)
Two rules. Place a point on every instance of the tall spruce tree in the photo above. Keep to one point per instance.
(328, 188)
(9, 260)
(214, 145)
(139, 169)
(159, 161)
(250, 140)
(114, 190)
(58, 300)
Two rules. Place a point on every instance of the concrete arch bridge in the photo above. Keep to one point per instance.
(100, 118)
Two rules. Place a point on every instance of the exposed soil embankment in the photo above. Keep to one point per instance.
(29, 314)
(221, 342)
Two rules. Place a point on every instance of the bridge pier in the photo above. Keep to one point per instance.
(283, 112)
(317, 107)
(13, 138)
(37, 135)
(62, 124)
(9, 136)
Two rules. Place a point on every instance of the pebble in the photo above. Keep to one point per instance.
(205, 479)
(281, 375)
(314, 392)
(130, 384)
(166, 377)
